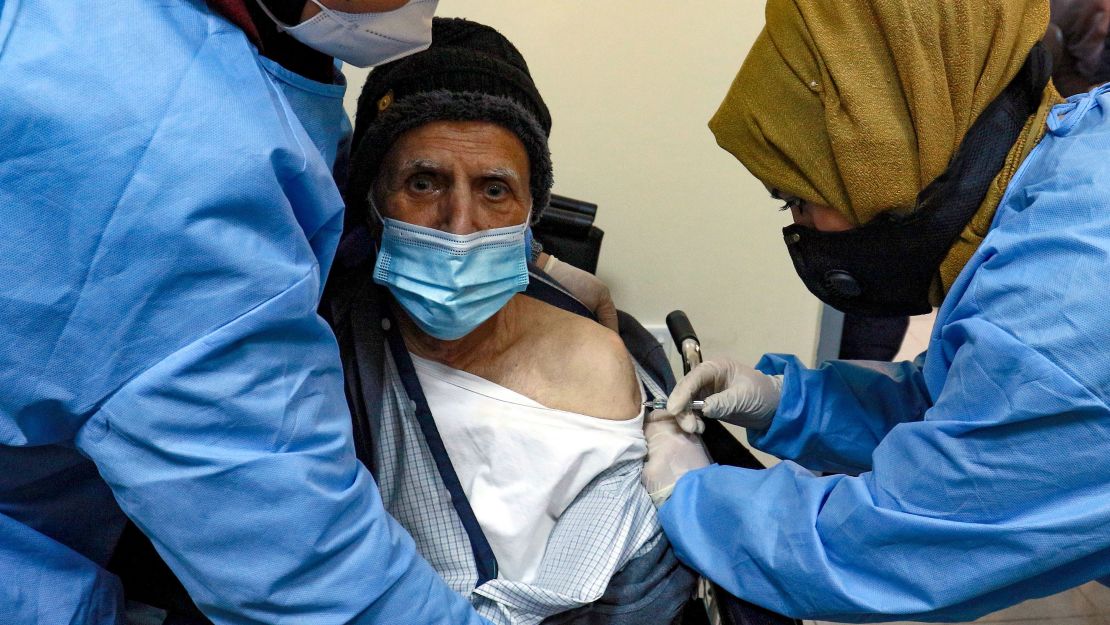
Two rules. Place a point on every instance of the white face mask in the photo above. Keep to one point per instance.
(365, 39)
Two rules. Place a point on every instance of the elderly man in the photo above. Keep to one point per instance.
(506, 432)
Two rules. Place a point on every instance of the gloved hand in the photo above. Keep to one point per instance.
(671, 454)
(736, 393)
(589, 290)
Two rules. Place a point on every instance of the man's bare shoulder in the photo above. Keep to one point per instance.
(585, 366)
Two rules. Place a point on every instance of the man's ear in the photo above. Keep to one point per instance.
(375, 228)
(370, 218)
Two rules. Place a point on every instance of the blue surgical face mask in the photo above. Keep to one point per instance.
(449, 284)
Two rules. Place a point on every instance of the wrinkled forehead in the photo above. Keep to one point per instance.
(470, 147)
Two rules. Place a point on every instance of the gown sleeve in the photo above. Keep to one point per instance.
(234, 455)
(833, 417)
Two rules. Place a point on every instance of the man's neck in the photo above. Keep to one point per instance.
(473, 352)
(237, 12)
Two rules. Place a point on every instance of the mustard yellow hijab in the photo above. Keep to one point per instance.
(860, 104)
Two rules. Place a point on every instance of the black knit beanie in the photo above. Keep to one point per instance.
(471, 72)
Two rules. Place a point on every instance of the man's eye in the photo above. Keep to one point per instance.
(422, 184)
(497, 190)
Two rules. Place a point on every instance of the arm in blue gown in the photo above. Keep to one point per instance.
(234, 455)
(832, 418)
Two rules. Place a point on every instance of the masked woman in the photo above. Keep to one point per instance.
(927, 161)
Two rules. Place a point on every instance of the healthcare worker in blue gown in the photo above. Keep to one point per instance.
(927, 160)
(169, 217)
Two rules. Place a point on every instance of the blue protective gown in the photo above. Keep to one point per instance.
(169, 217)
(983, 476)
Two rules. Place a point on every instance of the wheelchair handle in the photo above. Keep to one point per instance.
(685, 339)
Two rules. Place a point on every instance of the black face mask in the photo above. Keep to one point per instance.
(887, 266)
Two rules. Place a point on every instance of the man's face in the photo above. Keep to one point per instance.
(458, 177)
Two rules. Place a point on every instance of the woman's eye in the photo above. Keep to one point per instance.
(793, 203)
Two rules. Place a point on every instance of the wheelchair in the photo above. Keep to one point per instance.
(567, 231)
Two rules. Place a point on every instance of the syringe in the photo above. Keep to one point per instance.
(661, 404)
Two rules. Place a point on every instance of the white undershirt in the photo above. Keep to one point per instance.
(520, 464)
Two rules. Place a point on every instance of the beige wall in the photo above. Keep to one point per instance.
(631, 85)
